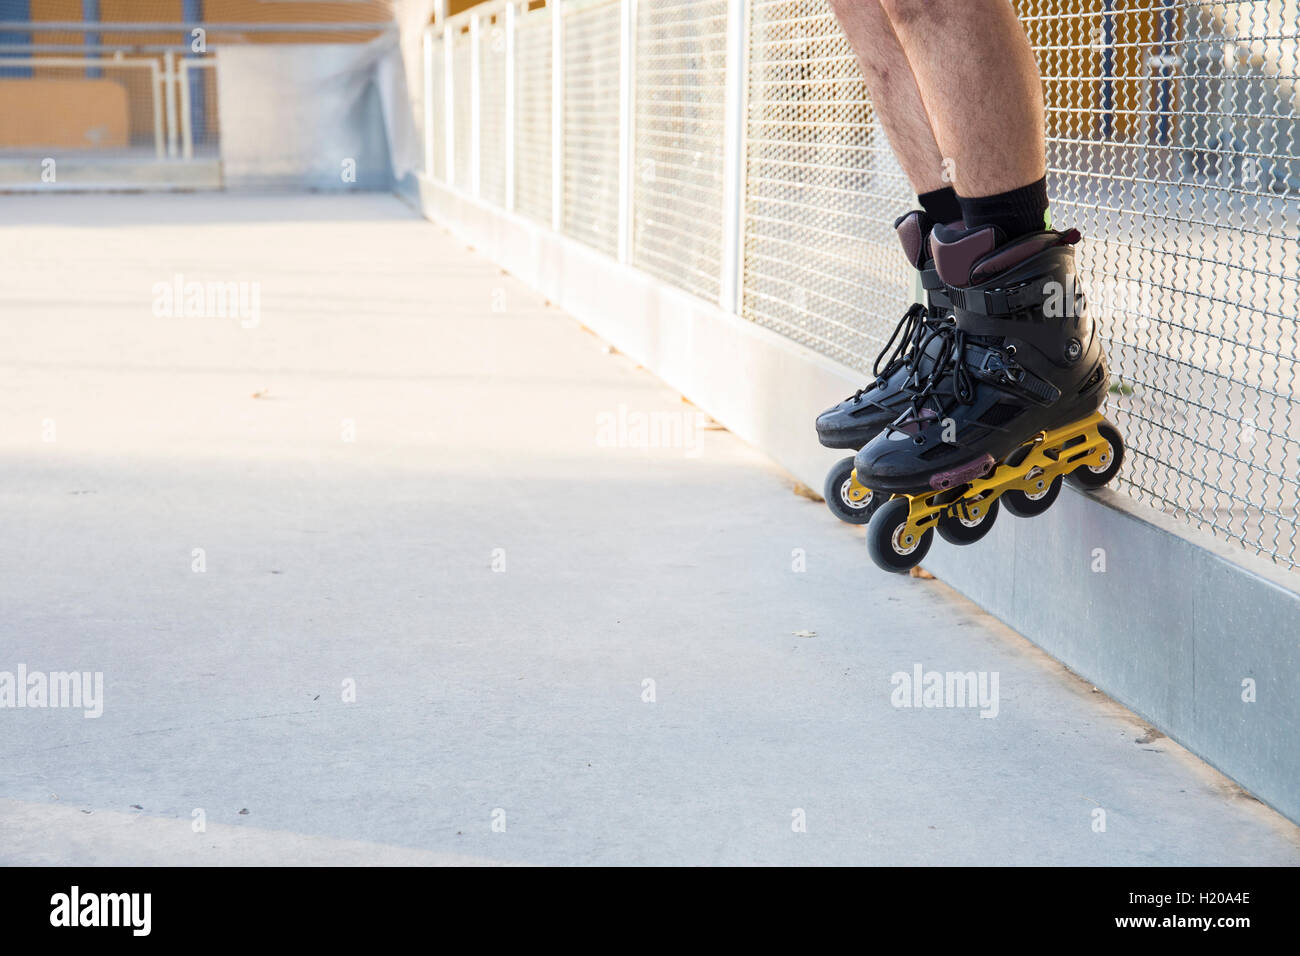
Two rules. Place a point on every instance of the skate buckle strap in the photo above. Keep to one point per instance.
(992, 365)
(936, 291)
(1034, 386)
(999, 302)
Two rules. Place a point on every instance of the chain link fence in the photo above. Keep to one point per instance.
(1172, 145)
(822, 190)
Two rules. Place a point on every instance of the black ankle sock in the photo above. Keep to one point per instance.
(941, 205)
(1016, 213)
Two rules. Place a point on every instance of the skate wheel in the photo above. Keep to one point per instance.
(961, 531)
(886, 544)
(1094, 477)
(839, 480)
(1028, 505)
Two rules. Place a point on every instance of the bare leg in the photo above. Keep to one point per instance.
(980, 85)
(894, 92)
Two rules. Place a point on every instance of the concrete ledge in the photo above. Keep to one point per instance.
(76, 174)
(1171, 627)
(1167, 620)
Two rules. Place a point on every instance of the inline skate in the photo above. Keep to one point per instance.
(907, 357)
(1009, 409)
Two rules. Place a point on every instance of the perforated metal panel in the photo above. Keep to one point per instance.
(1173, 147)
(463, 75)
(438, 91)
(533, 114)
(591, 109)
(492, 107)
(821, 263)
(681, 67)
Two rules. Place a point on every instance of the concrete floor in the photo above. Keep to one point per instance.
(497, 565)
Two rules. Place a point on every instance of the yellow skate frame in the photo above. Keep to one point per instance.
(857, 492)
(1051, 454)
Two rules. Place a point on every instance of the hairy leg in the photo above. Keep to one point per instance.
(980, 84)
(895, 95)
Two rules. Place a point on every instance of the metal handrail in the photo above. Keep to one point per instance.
(480, 10)
(99, 48)
(88, 26)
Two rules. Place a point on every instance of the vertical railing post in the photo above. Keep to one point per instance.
(733, 157)
(449, 100)
(626, 127)
(169, 96)
(427, 85)
(511, 28)
(557, 114)
(475, 105)
(183, 75)
(156, 84)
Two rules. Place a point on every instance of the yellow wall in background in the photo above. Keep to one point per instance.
(252, 11)
(1137, 33)
(72, 114)
(56, 9)
(1068, 36)
(1070, 68)
(135, 83)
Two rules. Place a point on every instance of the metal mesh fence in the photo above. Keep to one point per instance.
(203, 112)
(437, 92)
(591, 105)
(492, 109)
(1173, 148)
(533, 115)
(681, 66)
(132, 82)
(1172, 145)
(462, 65)
(821, 263)
(61, 105)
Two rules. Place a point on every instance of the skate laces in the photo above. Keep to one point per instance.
(949, 362)
(907, 333)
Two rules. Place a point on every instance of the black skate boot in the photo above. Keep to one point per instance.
(909, 354)
(1010, 409)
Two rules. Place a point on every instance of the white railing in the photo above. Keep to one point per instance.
(597, 170)
(170, 96)
(729, 148)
